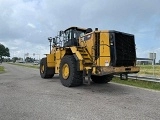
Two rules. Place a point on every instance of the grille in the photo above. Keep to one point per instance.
(125, 54)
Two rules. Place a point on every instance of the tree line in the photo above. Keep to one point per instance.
(4, 52)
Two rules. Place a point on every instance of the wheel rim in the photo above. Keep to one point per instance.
(42, 69)
(65, 71)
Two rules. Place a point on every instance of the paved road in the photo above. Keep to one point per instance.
(25, 96)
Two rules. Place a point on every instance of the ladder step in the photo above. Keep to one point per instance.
(85, 57)
(87, 61)
(84, 53)
(80, 50)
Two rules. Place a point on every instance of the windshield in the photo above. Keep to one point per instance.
(78, 34)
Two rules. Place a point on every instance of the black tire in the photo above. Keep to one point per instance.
(45, 71)
(101, 79)
(74, 78)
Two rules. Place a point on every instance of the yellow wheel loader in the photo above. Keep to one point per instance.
(77, 53)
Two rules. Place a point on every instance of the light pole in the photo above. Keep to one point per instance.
(153, 63)
(38, 55)
(50, 41)
(153, 57)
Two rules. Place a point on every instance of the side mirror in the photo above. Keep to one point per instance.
(50, 39)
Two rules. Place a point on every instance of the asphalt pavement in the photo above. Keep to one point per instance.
(24, 95)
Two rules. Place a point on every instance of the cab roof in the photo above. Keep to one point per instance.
(77, 28)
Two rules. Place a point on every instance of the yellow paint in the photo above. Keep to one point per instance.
(104, 49)
(50, 60)
(57, 66)
(65, 71)
(87, 43)
(59, 55)
(79, 56)
(90, 43)
(104, 70)
(81, 65)
(58, 52)
(62, 52)
(94, 70)
(73, 49)
(104, 46)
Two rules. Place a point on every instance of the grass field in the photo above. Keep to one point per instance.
(144, 70)
(26, 65)
(148, 70)
(138, 83)
(1, 69)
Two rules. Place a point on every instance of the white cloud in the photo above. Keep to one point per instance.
(31, 25)
(25, 25)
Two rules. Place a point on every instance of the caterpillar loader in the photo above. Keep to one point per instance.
(78, 53)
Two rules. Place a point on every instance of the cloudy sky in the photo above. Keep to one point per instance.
(25, 25)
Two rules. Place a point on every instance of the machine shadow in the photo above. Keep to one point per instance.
(107, 88)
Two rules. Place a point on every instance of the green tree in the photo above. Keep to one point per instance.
(6, 60)
(29, 59)
(14, 59)
(4, 51)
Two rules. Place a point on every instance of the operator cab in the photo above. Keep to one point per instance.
(72, 35)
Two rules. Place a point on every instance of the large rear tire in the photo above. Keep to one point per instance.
(45, 71)
(69, 75)
(101, 79)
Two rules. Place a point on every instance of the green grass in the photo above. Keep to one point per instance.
(138, 83)
(26, 65)
(148, 69)
(1, 69)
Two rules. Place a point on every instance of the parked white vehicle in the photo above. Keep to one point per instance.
(36, 62)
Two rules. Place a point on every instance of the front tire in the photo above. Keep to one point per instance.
(101, 79)
(45, 71)
(69, 75)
